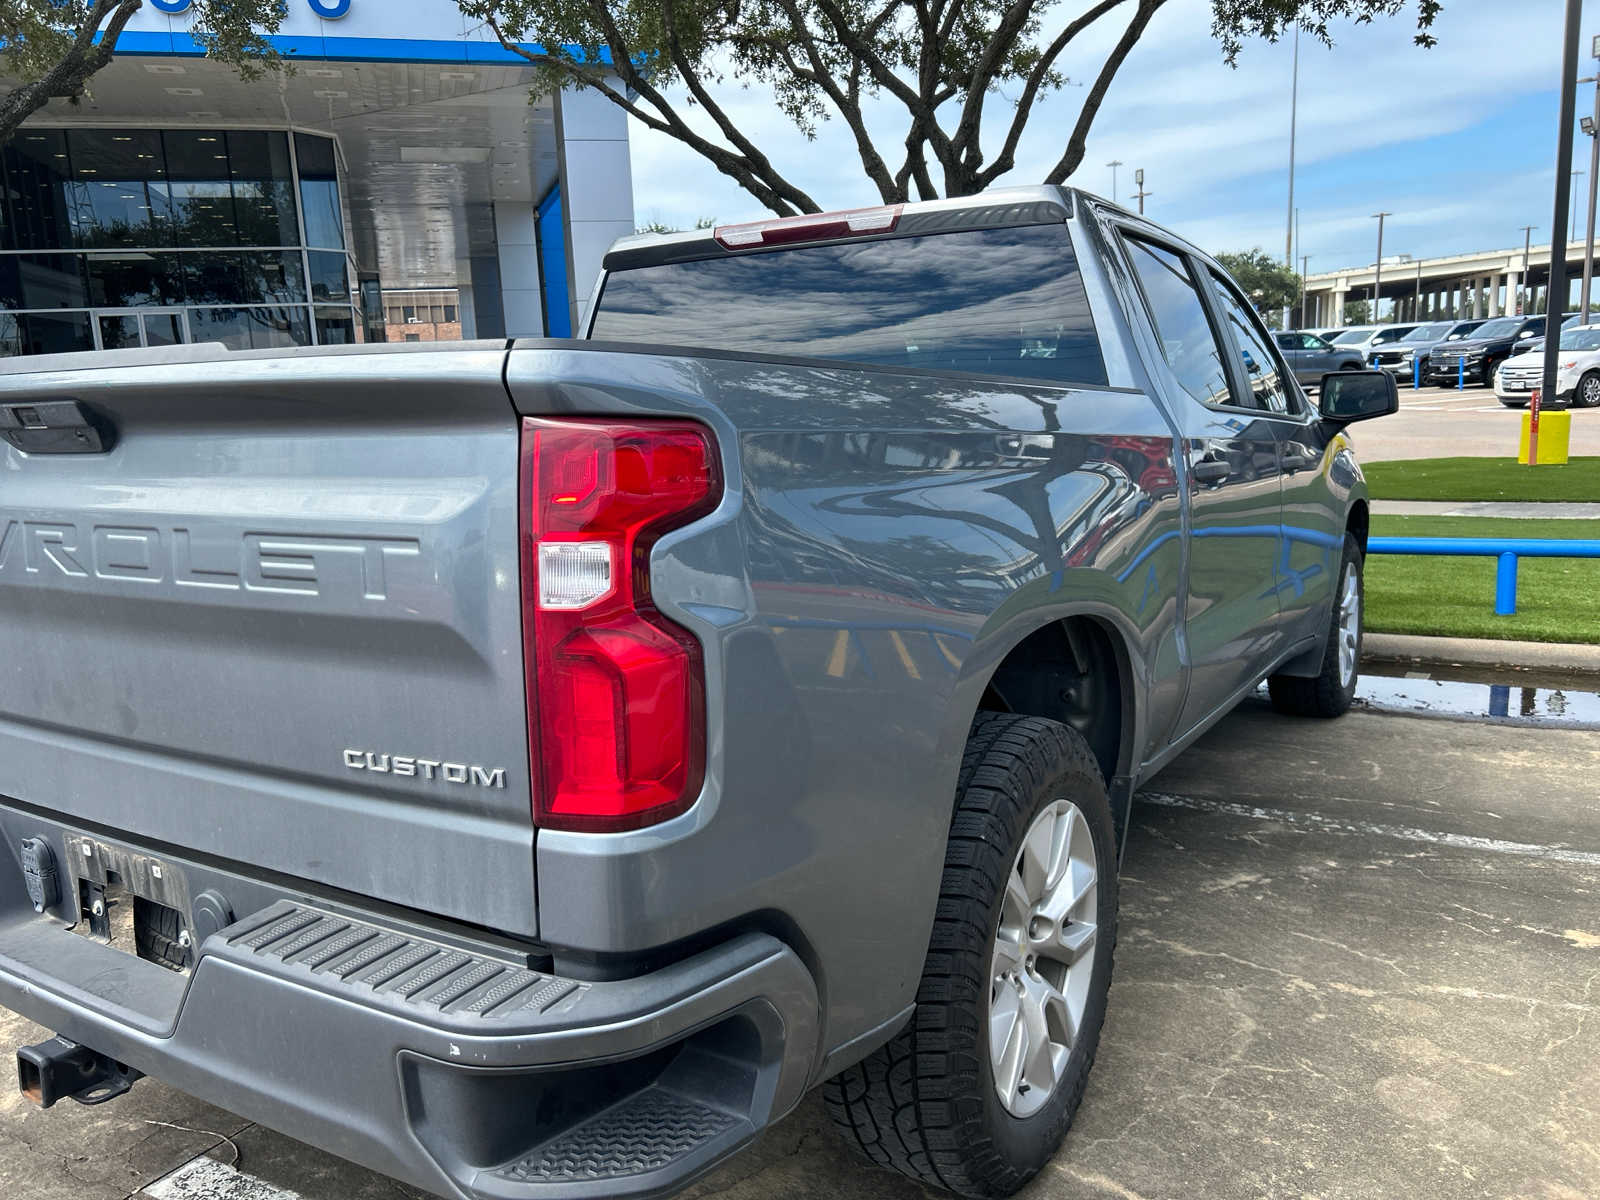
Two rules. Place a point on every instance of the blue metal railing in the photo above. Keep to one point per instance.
(1506, 550)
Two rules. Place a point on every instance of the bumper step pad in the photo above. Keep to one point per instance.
(646, 1132)
(403, 971)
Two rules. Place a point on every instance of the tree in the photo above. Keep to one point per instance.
(1357, 312)
(1271, 286)
(940, 61)
(50, 49)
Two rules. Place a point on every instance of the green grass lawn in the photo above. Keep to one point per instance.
(1454, 597)
(1482, 479)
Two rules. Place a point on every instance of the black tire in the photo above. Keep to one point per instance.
(926, 1105)
(1486, 375)
(1327, 694)
(1587, 393)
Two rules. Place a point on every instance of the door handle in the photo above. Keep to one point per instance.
(1210, 470)
(1298, 458)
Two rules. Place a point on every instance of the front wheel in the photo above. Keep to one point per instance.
(1587, 394)
(975, 1095)
(1330, 692)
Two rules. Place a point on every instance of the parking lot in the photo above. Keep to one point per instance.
(1444, 422)
(1357, 959)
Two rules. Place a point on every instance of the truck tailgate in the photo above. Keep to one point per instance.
(278, 622)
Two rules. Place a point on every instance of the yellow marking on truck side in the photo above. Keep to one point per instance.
(841, 649)
(906, 660)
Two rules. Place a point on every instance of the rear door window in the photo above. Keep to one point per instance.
(989, 302)
(1262, 365)
(1179, 317)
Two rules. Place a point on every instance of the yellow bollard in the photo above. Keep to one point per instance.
(1555, 431)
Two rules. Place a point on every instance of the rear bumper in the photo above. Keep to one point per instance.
(449, 1065)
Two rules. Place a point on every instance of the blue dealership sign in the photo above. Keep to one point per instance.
(330, 9)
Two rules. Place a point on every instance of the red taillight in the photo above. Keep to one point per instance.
(809, 227)
(616, 692)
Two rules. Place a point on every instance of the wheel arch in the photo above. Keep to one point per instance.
(1359, 522)
(1078, 669)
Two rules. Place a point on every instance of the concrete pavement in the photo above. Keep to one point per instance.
(1445, 423)
(1358, 958)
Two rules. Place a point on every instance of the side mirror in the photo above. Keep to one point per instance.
(1357, 396)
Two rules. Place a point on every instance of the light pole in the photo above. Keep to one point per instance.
(1305, 262)
(1572, 209)
(1377, 270)
(1557, 291)
(1525, 288)
(1114, 164)
(1294, 106)
(1591, 126)
(1138, 180)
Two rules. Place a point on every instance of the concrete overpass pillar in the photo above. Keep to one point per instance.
(1338, 306)
(1477, 298)
(1513, 282)
(1495, 281)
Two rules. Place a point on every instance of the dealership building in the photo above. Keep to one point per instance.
(399, 168)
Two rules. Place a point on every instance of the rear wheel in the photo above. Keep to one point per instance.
(1487, 375)
(1330, 692)
(977, 1092)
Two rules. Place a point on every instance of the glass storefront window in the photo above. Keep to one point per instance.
(134, 278)
(36, 179)
(263, 188)
(54, 333)
(262, 328)
(329, 279)
(206, 222)
(117, 193)
(243, 277)
(200, 192)
(336, 326)
(42, 281)
(319, 190)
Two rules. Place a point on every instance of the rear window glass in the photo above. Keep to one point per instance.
(991, 302)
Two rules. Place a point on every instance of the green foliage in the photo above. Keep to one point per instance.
(1270, 285)
(1462, 479)
(1454, 597)
(660, 227)
(48, 47)
(1357, 312)
(941, 61)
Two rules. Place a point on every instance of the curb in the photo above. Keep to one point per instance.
(1484, 652)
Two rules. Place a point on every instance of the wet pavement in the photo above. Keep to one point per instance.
(1510, 697)
(1358, 958)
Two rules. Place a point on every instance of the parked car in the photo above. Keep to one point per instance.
(1409, 356)
(1311, 357)
(1477, 355)
(528, 770)
(1366, 339)
(1577, 378)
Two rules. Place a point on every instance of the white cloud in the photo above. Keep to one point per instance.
(1214, 141)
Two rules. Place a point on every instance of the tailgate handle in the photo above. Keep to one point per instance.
(55, 427)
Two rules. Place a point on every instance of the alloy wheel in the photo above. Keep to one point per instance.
(1044, 957)
(1349, 630)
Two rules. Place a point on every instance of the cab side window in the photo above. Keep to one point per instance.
(1179, 317)
(1261, 362)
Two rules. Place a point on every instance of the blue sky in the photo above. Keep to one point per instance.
(1458, 142)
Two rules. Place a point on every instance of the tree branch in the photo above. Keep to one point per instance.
(1030, 92)
(69, 76)
(770, 188)
(1073, 155)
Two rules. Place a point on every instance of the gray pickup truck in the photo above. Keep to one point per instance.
(528, 769)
